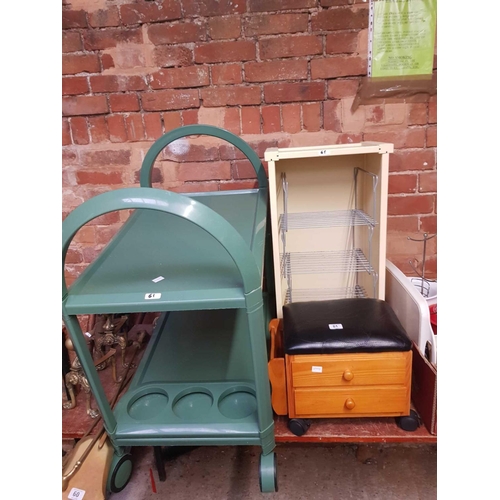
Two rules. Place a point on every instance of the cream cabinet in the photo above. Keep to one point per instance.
(329, 221)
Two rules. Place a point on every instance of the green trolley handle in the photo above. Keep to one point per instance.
(178, 133)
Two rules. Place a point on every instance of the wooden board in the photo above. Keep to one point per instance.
(277, 377)
(352, 430)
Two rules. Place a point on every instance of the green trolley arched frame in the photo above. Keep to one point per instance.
(198, 260)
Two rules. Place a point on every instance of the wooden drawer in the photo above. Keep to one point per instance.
(338, 370)
(352, 402)
(317, 385)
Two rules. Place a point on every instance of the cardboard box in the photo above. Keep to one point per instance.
(413, 312)
(424, 390)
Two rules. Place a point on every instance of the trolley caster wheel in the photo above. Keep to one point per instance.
(410, 422)
(119, 472)
(268, 479)
(298, 426)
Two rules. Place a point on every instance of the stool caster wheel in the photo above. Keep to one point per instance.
(268, 479)
(409, 422)
(119, 472)
(299, 426)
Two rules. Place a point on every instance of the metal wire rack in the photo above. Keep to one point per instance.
(340, 261)
(308, 294)
(338, 218)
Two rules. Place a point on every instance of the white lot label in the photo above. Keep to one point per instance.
(335, 326)
(152, 296)
(76, 494)
(317, 369)
(158, 279)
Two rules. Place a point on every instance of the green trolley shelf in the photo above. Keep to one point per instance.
(203, 378)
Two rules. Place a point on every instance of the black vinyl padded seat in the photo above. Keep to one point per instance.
(342, 326)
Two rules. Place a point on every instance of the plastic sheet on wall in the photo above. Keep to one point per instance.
(377, 90)
(401, 49)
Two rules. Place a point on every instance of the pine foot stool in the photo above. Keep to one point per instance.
(340, 359)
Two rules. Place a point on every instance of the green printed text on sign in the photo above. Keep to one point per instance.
(403, 40)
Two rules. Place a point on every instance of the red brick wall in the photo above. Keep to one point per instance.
(276, 72)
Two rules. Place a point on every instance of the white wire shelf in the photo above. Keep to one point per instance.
(341, 261)
(314, 294)
(336, 218)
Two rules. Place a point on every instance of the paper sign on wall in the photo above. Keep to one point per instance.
(402, 35)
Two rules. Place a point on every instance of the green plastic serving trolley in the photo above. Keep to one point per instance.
(197, 259)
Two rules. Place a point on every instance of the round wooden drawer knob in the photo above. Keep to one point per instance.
(348, 375)
(349, 404)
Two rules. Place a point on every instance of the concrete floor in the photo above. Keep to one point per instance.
(305, 471)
